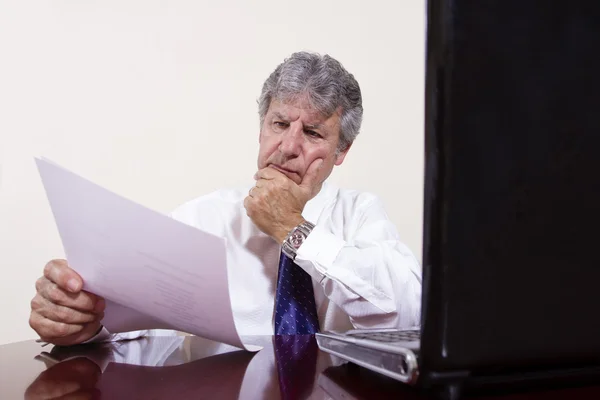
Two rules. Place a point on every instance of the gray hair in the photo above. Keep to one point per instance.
(326, 83)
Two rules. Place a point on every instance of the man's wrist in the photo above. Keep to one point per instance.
(287, 227)
(295, 239)
(95, 335)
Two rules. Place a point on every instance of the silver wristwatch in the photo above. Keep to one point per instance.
(295, 238)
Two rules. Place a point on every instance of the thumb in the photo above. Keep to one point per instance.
(312, 174)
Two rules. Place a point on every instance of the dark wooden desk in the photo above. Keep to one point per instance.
(194, 368)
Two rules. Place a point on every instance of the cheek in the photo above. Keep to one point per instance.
(321, 153)
(324, 153)
(312, 153)
(266, 149)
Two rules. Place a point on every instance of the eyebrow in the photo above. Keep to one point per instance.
(314, 126)
(278, 115)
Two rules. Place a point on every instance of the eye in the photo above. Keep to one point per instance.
(313, 134)
(280, 124)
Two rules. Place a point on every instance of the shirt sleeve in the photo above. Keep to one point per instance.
(369, 273)
(105, 336)
(134, 352)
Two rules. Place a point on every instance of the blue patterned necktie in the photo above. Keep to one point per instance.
(295, 309)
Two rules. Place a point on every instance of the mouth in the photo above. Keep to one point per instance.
(288, 172)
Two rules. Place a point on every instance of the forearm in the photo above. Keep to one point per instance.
(377, 282)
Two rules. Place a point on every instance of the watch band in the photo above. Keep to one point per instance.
(295, 238)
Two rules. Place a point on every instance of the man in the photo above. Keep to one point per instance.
(341, 263)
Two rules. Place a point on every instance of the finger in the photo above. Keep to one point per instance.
(69, 378)
(247, 201)
(49, 330)
(253, 191)
(66, 278)
(311, 176)
(82, 301)
(59, 313)
(50, 389)
(269, 173)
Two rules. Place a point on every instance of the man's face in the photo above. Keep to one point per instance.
(294, 135)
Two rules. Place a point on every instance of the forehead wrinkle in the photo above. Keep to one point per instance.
(279, 115)
(311, 114)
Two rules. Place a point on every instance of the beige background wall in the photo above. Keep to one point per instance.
(156, 100)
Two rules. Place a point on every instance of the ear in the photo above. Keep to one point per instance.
(339, 158)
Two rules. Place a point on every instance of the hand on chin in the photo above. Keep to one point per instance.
(276, 202)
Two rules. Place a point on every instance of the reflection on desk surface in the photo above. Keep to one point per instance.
(183, 368)
(350, 382)
(176, 367)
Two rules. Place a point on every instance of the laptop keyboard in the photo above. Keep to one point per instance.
(389, 337)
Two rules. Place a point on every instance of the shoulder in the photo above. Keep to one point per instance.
(205, 209)
(218, 197)
(346, 207)
(363, 216)
(355, 199)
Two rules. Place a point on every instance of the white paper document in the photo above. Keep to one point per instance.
(153, 271)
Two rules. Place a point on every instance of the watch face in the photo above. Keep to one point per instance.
(296, 239)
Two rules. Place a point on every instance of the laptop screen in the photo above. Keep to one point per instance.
(511, 245)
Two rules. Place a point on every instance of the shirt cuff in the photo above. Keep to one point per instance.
(318, 252)
(105, 336)
(102, 336)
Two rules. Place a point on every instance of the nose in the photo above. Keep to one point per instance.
(291, 140)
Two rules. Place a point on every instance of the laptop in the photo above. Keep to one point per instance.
(511, 249)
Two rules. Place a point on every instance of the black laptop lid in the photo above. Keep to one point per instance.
(512, 214)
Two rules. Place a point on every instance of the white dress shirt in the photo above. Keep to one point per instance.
(363, 275)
